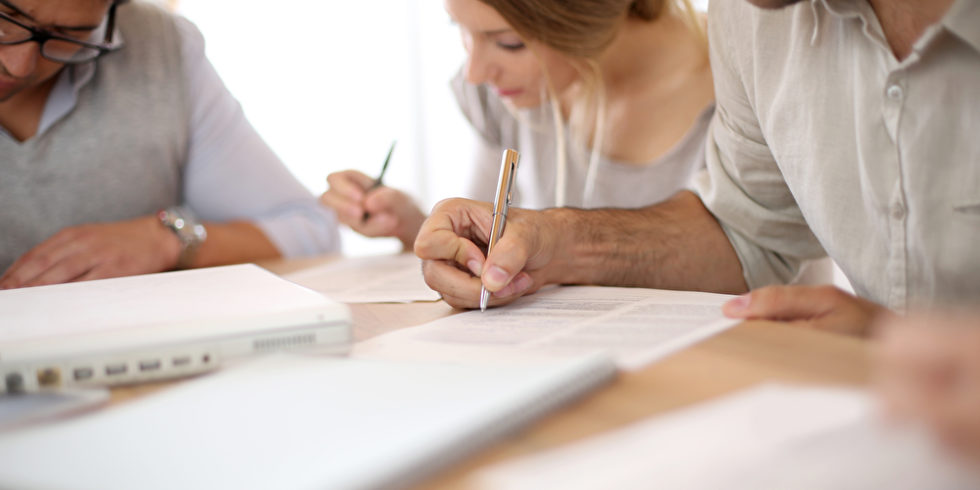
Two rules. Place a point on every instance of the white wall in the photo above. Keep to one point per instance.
(330, 84)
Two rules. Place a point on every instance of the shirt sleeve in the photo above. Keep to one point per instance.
(232, 174)
(742, 185)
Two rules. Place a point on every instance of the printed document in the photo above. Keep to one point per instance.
(636, 326)
(772, 436)
(375, 279)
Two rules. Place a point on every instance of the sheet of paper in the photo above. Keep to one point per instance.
(772, 436)
(374, 279)
(636, 326)
(297, 422)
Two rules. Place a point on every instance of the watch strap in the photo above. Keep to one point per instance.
(191, 233)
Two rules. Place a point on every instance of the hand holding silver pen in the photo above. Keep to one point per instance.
(501, 203)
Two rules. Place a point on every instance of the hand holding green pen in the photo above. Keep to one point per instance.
(379, 182)
(393, 212)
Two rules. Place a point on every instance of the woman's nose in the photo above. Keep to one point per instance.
(477, 65)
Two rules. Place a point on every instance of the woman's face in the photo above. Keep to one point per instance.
(499, 57)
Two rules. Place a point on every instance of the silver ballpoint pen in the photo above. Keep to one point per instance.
(501, 202)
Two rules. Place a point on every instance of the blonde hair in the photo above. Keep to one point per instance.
(581, 31)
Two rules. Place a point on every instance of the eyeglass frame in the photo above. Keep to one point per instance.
(41, 36)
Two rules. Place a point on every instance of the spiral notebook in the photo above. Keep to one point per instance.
(298, 422)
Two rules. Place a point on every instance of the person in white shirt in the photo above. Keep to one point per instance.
(116, 134)
(841, 126)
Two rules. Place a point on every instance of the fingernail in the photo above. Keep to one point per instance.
(495, 277)
(738, 305)
(475, 267)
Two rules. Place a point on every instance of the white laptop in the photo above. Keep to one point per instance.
(157, 326)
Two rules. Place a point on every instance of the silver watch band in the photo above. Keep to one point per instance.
(189, 231)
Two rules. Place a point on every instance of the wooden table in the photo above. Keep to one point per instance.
(746, 355)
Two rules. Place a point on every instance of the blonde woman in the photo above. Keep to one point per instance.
(608, 102)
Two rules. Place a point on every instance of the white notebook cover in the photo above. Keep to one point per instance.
(64, 319)
(297, 422)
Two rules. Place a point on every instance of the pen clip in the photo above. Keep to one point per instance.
(510, 182)
(509, 167)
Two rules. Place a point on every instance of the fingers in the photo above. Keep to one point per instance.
(458, 288)
(452, 262)
(522, 284)
(450, 237)
(927, 369)
(449, 232)
(345, 195)
(53, 261)
(784, 303)
(395, 204)
(350, 183)
(461, 289)
(504, 262)
(374, 212)
(821, 307)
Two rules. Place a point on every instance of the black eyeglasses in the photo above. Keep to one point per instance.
(56, 47)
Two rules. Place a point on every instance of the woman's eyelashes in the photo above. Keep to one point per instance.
(510, 46)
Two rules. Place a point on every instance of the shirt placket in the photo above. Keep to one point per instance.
(894, 94)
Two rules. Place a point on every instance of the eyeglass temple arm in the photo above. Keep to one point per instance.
(110, 27)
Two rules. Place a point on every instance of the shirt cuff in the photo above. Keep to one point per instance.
(308, 231)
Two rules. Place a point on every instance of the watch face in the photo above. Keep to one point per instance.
(190, 233)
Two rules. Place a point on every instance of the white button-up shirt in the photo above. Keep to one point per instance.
(824, 141)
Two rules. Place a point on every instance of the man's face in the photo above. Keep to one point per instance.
(21, 65)
(773, 4)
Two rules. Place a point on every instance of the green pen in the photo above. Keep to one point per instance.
(378, 182)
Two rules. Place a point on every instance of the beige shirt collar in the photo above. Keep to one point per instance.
(963, 18)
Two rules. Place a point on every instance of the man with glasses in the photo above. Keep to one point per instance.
(117, 137)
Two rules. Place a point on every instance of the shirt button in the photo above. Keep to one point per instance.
(898, 210)
(894, 92)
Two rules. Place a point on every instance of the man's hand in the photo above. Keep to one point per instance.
(96, 251)
(452, 241)
(676, 244)
(820, 307)
(928, 369)
(390, 212)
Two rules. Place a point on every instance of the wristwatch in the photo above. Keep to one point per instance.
(189, 231)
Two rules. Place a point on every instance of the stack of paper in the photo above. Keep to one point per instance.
(637, 326)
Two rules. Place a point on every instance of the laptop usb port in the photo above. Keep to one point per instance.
(14, 383)
(83, 373)
(181, 360)
(115, 369)
(150, 365)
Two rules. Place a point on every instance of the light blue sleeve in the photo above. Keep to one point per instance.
(231, 174)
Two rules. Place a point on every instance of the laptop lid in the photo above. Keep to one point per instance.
(155, 326)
